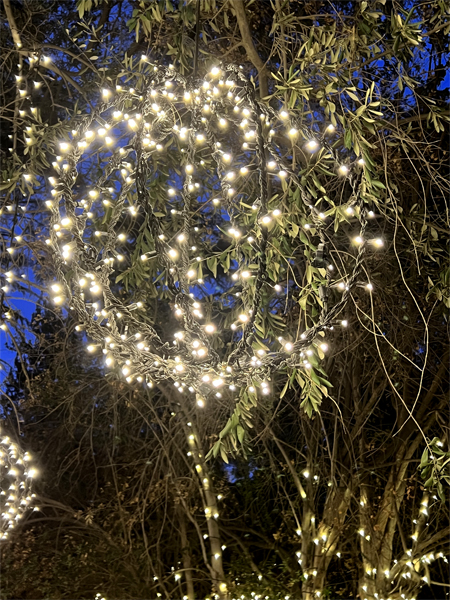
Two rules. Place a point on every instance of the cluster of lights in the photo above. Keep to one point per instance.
(211, 514)
(198, 114)
(132, 128)
(94, 281)
(402, 581)
(16, 478)
(409, 572)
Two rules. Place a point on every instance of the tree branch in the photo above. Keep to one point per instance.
(247, 43)
(12, 24)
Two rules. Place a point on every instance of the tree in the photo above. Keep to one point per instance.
(334, 450)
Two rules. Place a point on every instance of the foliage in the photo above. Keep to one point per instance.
(434, 467)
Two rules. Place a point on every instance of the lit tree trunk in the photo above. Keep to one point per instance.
(186, 554)
(318, 541)
(214, 562)
(210, 507)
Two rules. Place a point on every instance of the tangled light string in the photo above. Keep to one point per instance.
(16, 478)
(135, 127)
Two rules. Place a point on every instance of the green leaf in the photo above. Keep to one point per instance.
(424, 459)
(223, 454)
(348, 139)
(285, 389)
(353, 96)
(212, 265)
(378, 184)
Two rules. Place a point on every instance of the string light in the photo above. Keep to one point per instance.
(16, 479)
(170, 112)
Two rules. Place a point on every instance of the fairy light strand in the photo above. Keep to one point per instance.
(16, 485)
(83, 269)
